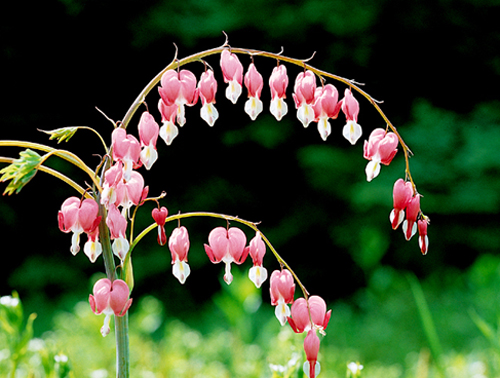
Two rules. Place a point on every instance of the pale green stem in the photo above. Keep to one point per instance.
(121, 322)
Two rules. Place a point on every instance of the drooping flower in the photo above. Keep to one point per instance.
(160, 215)
(278, 82)
(380, 148)
(410, 223)
(148, 133)
(282, 290)
(179, 247)
(350, 107)
(117, 225)
(179, 88)
(127, 149)
(326, 105)
(423, 240)
(304, 92)
(112, 178)
(232, 70)
(401, 194)
(93, 248)
(310, 314)
(131, 192)
(311, 346)
(78, 216)
(207, 87)
(254, 84)
(228, 246)
(168, 130)
(110, 298)
(257, 250)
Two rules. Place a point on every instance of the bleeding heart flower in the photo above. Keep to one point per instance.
(227, 245)
(278, 82)
(179, 247)
(282, 291)
(304, 95)
(78, 216)
(402, 193)
(254, 84)
(380, 148)
(207, 87)
(257, 250)
(110, 298)
(232, 70)
(350, 106)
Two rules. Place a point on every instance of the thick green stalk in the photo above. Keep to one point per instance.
(121, 322)
(122, 349)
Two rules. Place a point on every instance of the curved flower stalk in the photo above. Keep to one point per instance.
(105, 209)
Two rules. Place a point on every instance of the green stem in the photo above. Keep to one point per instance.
(122, 348)
(121, 322)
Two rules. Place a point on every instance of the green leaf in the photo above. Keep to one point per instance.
(21, 171)
(62, 134)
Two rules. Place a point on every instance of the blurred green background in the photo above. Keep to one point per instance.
(436, 66)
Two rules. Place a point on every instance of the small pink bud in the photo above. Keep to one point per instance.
(423, 240)
(412, 211)
(160, 215)
(311, 347)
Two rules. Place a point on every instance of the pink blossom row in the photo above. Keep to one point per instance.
(313, 104)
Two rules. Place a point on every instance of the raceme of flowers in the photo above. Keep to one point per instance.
(123, 187)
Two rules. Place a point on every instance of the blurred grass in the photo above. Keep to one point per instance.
(236, 335)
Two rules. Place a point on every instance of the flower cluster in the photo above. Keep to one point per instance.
(313, 103)
(406, 211)
(307, 316)
(106, 207)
